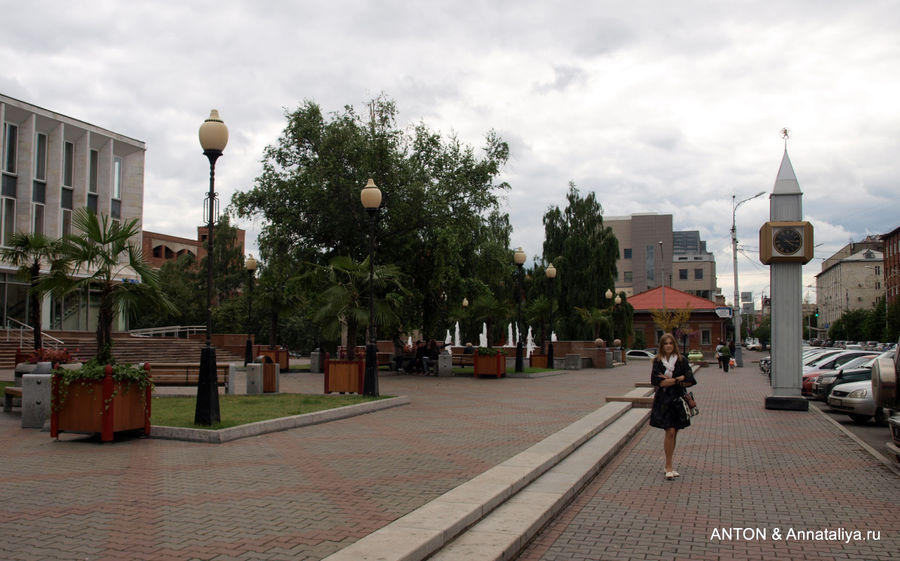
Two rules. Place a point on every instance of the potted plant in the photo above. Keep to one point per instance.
(102, 393)
(489, 362)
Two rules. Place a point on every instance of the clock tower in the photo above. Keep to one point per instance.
(786, 243)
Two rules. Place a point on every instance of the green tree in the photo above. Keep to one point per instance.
(344, 299)
(598, 321)
(27, 252)
(439, 222)
(96, 258)
(584, 252)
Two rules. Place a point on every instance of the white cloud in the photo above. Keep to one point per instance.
(656, 107)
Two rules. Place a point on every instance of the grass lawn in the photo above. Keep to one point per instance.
(4, 384)
(234, 410)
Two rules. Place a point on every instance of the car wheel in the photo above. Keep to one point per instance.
(860, 418)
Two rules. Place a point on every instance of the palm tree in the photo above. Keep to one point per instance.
(96, 258)
(27, 252)
(344, 301)
(596, 319)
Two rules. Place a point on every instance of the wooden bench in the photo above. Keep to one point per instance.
(187, 374)
(9, 393)
(463, 360)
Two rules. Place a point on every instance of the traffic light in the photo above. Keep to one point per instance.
(817, 312)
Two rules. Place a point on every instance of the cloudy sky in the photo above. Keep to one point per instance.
(668, 107)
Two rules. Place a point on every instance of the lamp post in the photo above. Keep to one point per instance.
(465, 305)
(738, 359)
(519, 258)
(371, 200)
(551, 274)
(213, 138)
(250, 265)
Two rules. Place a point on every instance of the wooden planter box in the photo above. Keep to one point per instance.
(85, 409)
(538, 361)
(490, 365)
(345, 376)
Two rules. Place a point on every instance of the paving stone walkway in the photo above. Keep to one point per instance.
(756, 484)
(295, 495)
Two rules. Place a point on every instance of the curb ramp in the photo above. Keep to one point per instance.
(494, 515)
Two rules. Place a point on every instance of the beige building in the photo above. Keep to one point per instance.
(51, 165)
(851, 279)
(649, 251)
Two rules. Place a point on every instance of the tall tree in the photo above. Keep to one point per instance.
(439, 196)
(585, 254)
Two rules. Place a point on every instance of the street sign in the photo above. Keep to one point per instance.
(723, 311)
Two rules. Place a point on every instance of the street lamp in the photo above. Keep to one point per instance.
(250, 265)
(519, 258)
(738, 359)
(371, 200)
(551, 274)
(213, 138)
(465, 305)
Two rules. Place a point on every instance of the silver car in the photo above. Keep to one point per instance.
(855, 399)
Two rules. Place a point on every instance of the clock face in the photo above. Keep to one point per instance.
(788, 241)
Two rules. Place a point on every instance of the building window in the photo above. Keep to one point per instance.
(628, 276)
(65, 203)
(698, 274)
(94, 171)
(39, 185)
(682, 274)
(651, 262)
(705, 337)
(10, 140)
(68, 164)
(117, 178)
(626, 253)
(7, 217)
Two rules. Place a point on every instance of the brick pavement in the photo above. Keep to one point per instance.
(742, 467)
(300, 494)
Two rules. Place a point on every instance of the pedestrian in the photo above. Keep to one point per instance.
(670, 374)
(719, 353)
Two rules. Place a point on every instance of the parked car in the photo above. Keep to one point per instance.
(639, 354)
(753, 344)
(826, 382)
(855, 399)
(814, 377)
(695, 355)
(833, 360)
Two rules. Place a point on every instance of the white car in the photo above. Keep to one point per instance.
(753, 344)
(855, 399)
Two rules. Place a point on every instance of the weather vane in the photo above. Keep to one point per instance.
(785, 134)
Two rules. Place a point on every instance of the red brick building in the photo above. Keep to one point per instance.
(703, 330)
(891, 257)
(159, 248)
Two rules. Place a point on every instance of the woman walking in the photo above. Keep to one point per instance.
(671, 373)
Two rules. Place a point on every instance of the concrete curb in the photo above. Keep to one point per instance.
(508, 486)
(275, 425)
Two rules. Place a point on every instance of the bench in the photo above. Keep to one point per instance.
(463, 360)
(187, 374)
(9, 393)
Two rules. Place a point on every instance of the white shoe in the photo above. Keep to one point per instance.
(670, 475)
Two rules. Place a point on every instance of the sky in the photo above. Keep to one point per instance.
(668, 107)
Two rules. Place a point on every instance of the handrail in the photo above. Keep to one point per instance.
(24, 326)
(175, 330)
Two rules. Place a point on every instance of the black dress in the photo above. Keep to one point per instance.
(667, 412)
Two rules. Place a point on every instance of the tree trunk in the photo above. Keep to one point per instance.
(104, 330)
(35, 310)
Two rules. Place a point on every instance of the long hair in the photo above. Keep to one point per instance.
(662, 340)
